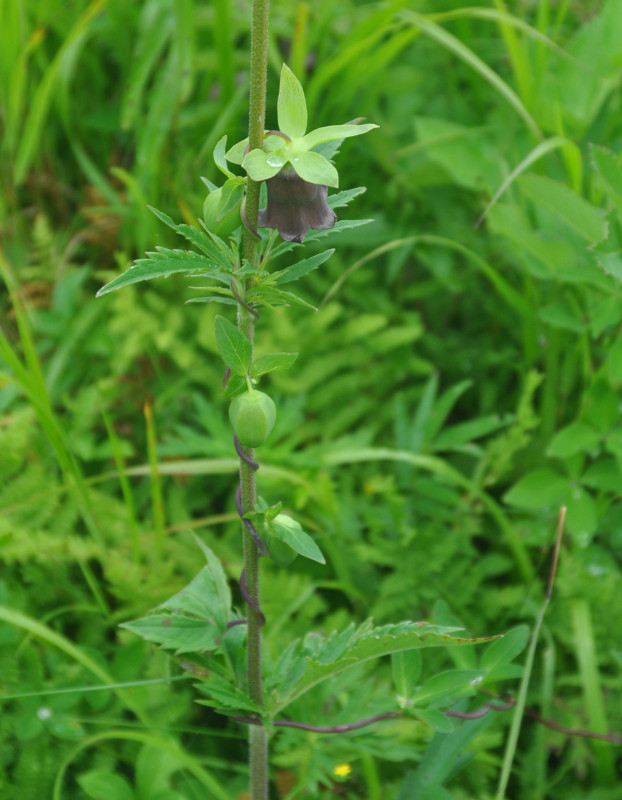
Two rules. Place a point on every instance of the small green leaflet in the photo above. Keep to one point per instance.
(272, 362)
(220, 158)
(290, 531)
(234, 347)
(320, 135)
(160, 264)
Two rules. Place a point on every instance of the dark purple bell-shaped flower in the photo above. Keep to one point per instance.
(295, 206)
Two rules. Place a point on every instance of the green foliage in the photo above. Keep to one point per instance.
(455, 386)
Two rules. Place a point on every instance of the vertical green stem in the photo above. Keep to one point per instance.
(257, 109)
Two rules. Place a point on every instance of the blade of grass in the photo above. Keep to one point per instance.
(128, 495)
(519, 708)
(590, 679)
(518, 54)
(465, 54)
(157, 504)
(34, 129)
(223, 34)
(541, 751)
(512, 297)
(439, 467)
(29, 377)
(13, 617)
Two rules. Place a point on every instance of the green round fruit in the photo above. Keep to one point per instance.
(224, 225)
(252, 415)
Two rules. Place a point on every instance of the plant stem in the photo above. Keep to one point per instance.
(258, 743)
(257, 113)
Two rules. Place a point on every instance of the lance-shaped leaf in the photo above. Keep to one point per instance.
(291, 105)
(220, 158)
(272, 362)
(234, 347)
(160, 264)
(290, 531)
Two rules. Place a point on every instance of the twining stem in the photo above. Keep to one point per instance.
(258, 742)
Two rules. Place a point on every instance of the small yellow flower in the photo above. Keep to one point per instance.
(342, 770)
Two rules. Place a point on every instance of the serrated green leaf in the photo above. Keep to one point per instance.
(193, 235)
(226, 697)
(256, 163)
(300, 268)
(220, 158)
(219, 581)
(306, 665)
(272, 362)
(559, 199)
(609, 166)
(314, 168)
(341, 199)
(201, 598)
(329, 132)
(290, 531)
(314, 235)
(234, 347)
(159, 264)
(271, 296)
(176, 632)
(291, 105)
(224, 300)
(608, 253)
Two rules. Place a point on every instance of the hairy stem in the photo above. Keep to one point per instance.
(258, 742)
